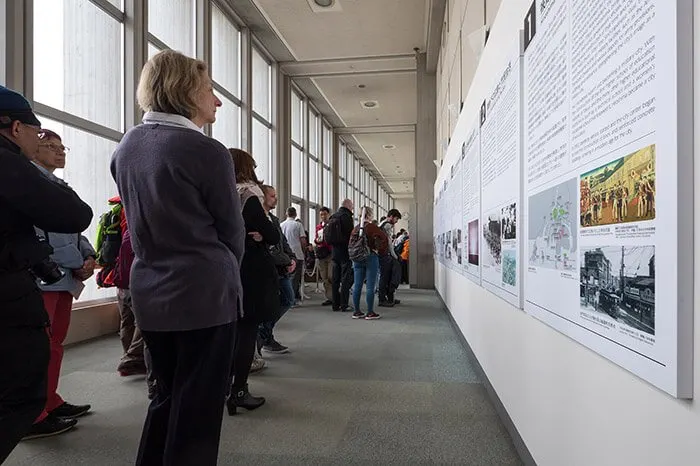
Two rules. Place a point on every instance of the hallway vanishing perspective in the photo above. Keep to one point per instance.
(400, 390)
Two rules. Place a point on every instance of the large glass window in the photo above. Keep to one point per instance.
(262, 85)
(312, 221)
(78, 64)
(262, 151)
(226, 52)
(313, 181)
(173, 23)
(297, 118)
(314, 145)
(227, 128)
(327, 187)
(297, 172)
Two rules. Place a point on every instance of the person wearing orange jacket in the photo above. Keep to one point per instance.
(404, 259)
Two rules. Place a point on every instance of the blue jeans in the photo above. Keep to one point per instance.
(365, 270)
(286, 301)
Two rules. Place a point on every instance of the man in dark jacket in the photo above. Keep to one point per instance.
(27, 198)
(342, 265)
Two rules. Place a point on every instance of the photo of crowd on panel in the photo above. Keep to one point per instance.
(492, 239)
(618, 282)
(552, 227)
(457, 244)
(508, 221)
(620, 191)
(448, 246)
(473, 242)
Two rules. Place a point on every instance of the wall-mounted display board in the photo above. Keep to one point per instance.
(470, 157)
(501, 207)
(603, 182)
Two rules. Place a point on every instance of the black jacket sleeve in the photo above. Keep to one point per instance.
(256, 220)
(48, 205)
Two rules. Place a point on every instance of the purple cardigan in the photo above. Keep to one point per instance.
(178, 188)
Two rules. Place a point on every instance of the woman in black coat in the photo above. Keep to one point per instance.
(258, 276)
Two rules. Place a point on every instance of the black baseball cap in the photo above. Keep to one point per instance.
(15, 107)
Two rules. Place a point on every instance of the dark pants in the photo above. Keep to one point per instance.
(192, 371)
(390, 277)
(297, 279)
(246, 338)
(404, 271)
(342, 277)
(23, 382)
(286, 302)
(129, 334)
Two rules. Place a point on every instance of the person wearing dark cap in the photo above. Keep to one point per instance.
(27, 198)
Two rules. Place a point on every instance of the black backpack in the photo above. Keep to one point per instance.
(333, 231)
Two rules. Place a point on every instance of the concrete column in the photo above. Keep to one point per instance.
(421, 264)
(283, 137)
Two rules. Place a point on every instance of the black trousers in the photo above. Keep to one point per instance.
(192, 371)
(342, 277)
(22, 382)
(246, 338)
(390, 278)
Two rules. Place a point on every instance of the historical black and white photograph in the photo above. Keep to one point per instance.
(508, 221)
(618, 281)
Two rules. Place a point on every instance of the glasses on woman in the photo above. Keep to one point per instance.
(55, 147)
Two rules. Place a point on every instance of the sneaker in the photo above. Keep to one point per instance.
(327, 302)
(257, 365)
(49, 427)
(69, 411)
(131, 370)
(358, 315)
(275, 347)
(346, 309)
(372, 316)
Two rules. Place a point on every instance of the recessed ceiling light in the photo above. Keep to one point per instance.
(361, 86)
(388, 146)
(324, 3)
(370, 104)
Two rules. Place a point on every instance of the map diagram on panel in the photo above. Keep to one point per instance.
(552, 227)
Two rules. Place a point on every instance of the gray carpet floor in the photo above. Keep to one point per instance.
(397, 391)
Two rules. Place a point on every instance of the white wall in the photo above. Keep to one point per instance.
(570, 405)
(404, 206)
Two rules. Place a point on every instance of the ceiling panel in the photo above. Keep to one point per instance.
(396, 163)
(401, 187)
(353, 28)
(395, 94)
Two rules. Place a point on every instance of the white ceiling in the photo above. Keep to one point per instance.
(359, 28)
(361, 42)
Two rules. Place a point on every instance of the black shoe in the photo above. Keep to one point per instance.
(385, 304)
(358, 315)
(69, 411)
(372, 316)
(49, 427)
(396, 301)
(346, 309)
(275, 347)
(243, 399)
(327, 302)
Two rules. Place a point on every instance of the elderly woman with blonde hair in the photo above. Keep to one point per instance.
(178, 187)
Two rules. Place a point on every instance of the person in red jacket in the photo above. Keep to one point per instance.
(323, 255)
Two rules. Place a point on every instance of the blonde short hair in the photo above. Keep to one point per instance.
(369, 213)
(170, 82)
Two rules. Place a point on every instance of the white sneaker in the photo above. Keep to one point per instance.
(258, 363)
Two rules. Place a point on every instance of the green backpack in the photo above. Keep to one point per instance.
(109, 236)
